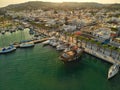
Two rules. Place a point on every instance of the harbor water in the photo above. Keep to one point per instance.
(39, 68)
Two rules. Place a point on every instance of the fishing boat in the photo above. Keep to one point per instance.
(7, 49)
(113, 70)
(27, 44)
(71, 55)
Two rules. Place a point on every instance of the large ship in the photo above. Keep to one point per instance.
(71, 55)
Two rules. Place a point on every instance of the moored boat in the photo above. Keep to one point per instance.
(27, 44)
(31, 31)
(71, 55)
(60, 47)
(55, 43)
(7, 49)
(46, 42)
(2, 32)
(113, 70)
(51, 42)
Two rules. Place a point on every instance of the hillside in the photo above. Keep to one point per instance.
(64, 5)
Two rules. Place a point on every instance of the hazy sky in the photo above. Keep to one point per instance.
(7, 2)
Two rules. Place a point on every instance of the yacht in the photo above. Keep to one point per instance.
(7, 49)
(113, 70)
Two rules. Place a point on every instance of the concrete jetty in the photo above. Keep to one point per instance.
(101, 56)
(35, 42)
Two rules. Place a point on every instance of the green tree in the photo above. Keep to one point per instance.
(92, 42)
(118, 50)
(98, 45)
(111, 49)
(81, 38)
(104, 47)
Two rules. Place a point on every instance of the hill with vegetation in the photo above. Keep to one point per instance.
(64, 5)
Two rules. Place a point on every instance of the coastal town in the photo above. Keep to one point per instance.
(97, 31)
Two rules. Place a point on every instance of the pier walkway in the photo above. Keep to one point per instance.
(35, 42)
(101, 56)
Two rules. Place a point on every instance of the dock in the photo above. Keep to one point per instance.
(35, 42)
(40, 40)
(101, 56)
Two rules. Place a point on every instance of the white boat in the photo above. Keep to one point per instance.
(67, 49)
(7, 49)
(55, 43)
(27, 44)
(113, 70)
(60, 47)
(51, 42)
(46, 42)
(3, 32)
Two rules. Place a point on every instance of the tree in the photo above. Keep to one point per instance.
(104, 47)
(86, 40)
(118, 50)
(92, 42)
(98, 45)
(81, 38)
(111, 49)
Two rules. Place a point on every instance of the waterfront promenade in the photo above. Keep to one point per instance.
(102, 56)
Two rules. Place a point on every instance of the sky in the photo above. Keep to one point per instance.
(7, 2)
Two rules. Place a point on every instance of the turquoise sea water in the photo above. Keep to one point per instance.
(39, 68)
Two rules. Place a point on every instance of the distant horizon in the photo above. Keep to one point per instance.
(4, 3)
